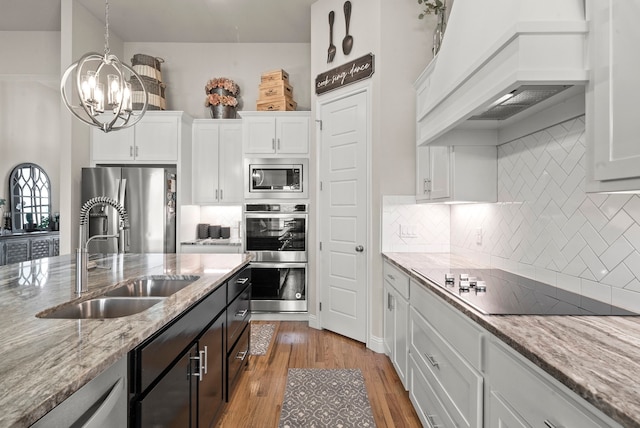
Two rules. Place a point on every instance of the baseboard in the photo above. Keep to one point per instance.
(280, 316)
(314, 322)
(376, 344)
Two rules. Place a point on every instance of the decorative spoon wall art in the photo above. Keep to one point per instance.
(347, 42)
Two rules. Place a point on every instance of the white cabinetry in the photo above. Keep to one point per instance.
(445, 351)
(217, 161)
(456, 174)
(520, 394)
(282, 133)
(611, 119)
(396, 319)
(155, 139)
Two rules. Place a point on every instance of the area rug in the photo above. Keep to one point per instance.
(260, 338)
(317, 398)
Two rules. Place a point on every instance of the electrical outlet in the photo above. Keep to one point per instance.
(479, 235)
(408, 231)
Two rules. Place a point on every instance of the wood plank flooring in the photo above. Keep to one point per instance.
(257, 400)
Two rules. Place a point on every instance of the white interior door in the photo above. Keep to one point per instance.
(343, 216)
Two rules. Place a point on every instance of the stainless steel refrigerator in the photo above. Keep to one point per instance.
(149, 197)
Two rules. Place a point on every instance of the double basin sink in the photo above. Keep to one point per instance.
(128, 299)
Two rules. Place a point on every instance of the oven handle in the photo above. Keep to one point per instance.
(292, 216)
(278, 265)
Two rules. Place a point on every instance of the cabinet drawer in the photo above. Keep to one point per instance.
(155, 355)
(427, 404)
(464, 335)
(457, 384)
(397, 279)
(237, 283)
(238, 315)
(237, 359)
(516, 382)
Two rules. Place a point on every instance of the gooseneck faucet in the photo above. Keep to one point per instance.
(83, 241)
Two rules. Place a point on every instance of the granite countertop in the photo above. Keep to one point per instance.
(43, 361)
(213, 241)
(597, 357)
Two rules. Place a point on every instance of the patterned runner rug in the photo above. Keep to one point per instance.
(317, 398)
(260, 338)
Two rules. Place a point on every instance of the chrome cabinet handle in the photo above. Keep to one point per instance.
(393, 278)
(221, 194)
(206, 357)
(241, 314)
(359, 248)
(432, 360)
(432, 421)
(199, 359)
(278, 143)
(426, 186)
(241, 355)
(130, 151)
(550, 424)
(273, 143)
(242, 281)
(216, 194)
(389, 301)
(136, 151)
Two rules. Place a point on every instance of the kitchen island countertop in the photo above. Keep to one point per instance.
(44, 361)
(597, 357)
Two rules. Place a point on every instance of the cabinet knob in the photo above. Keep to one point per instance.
(359, 248)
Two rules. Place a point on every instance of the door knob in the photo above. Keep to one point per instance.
(359, 248)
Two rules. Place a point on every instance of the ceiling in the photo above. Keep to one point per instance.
(194, 21)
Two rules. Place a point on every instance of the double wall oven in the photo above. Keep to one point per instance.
(276, 233)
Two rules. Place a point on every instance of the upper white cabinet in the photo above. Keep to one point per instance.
(611, 110)
(155, 139)
(217, 161)
(456, 174)
(271, 133)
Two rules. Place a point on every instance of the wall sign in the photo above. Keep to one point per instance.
(351, 72)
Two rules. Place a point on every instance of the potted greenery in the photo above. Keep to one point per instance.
(29, 226)
(438, 8)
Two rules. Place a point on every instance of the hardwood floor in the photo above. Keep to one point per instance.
(257, 400)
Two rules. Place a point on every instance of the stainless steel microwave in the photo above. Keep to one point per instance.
(276, 178)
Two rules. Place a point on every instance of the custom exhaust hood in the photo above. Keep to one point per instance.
(500, 62)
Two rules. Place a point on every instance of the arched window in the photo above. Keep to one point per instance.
(30, 191)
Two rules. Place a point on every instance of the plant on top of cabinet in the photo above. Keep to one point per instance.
(222, 97)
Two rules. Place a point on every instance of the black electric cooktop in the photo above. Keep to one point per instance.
(496, 292)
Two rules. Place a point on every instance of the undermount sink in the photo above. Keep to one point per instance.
(153, 286)
(102, 307)
(128, 299)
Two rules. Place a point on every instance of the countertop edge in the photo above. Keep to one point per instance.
(555, 371)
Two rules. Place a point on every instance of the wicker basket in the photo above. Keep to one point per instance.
(155, 89)
(151, 61)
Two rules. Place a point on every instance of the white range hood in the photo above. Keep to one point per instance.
(521, 52)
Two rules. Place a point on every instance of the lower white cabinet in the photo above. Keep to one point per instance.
(217, 161)
(101, 403)
(396, 319)
(457, 384)
(523, 395)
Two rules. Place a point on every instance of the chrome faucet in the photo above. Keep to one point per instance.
(83, 241)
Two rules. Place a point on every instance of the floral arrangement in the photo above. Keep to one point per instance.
(431, 7)
(214, 99)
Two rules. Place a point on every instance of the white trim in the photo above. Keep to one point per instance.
(365, 87)
(376, 344)
(314, 322)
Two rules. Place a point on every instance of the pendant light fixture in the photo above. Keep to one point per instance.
(89, 73)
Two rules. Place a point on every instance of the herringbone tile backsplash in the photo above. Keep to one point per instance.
(546, 227)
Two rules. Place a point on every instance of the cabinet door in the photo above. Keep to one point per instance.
(40, 248)
(292, 135)
(156, 139)
(423, 173)
(259, 134)
(206, 142)
(500, 415)
(115, 146)
(211, 386)
(2, 254)
(230, 161)
(16, 251)
(440, 168)
(401, 352)
(172, 401)
(613, 35)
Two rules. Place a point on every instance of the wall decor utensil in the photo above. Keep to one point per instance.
(347, 42)
(332, 48)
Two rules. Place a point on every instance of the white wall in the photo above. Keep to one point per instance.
(401, 44)
(188, 67)
(29, 105)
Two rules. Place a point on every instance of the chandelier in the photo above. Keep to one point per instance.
(88, 74)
